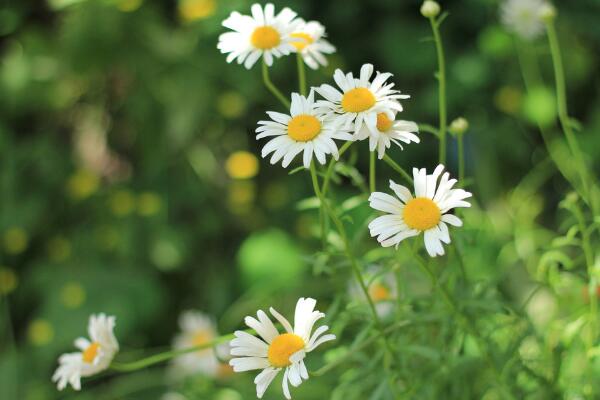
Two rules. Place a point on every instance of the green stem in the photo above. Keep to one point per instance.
(162, 357)
(435, 27)
(372, 171)
(398, 168)
(563, 114)
(330, 167)
(301, 74)
(465, 321)
(461, 159)
(272, 88)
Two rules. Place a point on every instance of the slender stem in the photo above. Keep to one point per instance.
(162, 357)
(301, 74)
(272, 88)
(398, 168)
(441, 76)
(465, 321)
(372, 171)
(330, 167)
(461, 158)
(563, 114)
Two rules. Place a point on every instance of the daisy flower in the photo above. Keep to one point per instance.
(310, 44)
(197, 329)
(360, 99)
(273, 352)
(95, 356)
(523, 17)
(305, 130)
(382, 289)
(262, 34)
(388, 131)
(426, 212)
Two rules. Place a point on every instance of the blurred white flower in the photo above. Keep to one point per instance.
(273, 352)
(95, 356)
(360, 100)
(262, 34)
(425, 213)
(524, 17)
(382, 289)
(310, 43)
(305, 131)
(388, 131)
(197, 329)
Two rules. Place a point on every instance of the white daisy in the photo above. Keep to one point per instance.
(360, 100)
(262, 34)
(310, 43)
(304, 130)
(524, 17)
(388, 131)
(273, 352)
(95, 356)
(196, 329)
(426, 212)
(382, 289)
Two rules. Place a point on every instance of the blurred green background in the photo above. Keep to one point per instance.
(129, 182)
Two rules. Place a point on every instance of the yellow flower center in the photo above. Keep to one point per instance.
(89, 354)
(306, 39)
(303, 128)
(265, 38)
(357, 100)
(201, 337)
(384, 123)
(421, 214)
(378, 292)
(283, 347)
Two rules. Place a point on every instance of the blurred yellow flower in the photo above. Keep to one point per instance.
(82, 184)
(59, 249)
(242, 165)
(129, 5)
(15, 240)
(191, 10)
(508, 99)
(8, 280)
(122, 202)
(148, 204)
(40, 332)
(72, 295)
(231, 105)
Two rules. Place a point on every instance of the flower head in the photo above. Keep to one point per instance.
(388, 130)
(382, 289)
(360, 99)
(197, 329)
(310, 43)
(262, 34)
(524, 17)
(430, 9)
(95, 355)
(426, 212)
(305, 130)
(273, 351)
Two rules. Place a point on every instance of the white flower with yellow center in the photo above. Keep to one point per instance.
(308, 39)
(304, 130)
(382, 289)
(95, 356)
(273, 352)
(524, 17)
(360, 100)
(388, 131)
(262, 34)
(427, 212)
(197, 329)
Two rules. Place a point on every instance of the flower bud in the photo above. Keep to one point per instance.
(430, 9)
(459, 126)
(548, 12)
